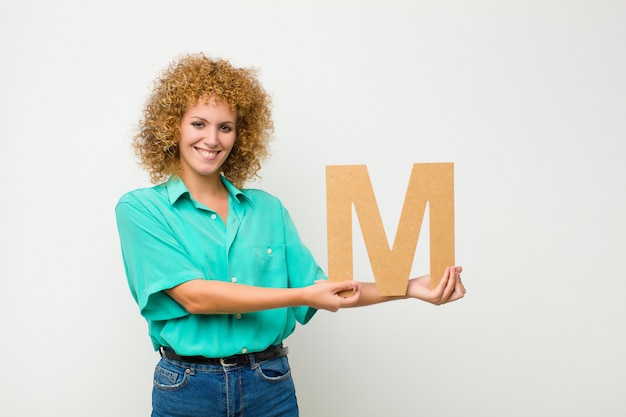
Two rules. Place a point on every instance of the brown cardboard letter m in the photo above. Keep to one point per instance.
(431, 183)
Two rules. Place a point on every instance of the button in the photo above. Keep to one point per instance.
(238, 316)
(269, 251)
(233, 279)
(213, 216)
(244, 350)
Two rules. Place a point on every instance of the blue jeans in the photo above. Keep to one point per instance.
(260, 389)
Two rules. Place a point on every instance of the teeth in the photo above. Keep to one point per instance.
(207, 154)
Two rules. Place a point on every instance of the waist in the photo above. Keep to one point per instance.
(272, 352)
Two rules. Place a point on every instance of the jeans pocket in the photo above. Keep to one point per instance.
(274, 370)
(168, 376)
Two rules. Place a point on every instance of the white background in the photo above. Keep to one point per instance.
(527, 98)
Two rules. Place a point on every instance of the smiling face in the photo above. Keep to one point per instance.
(207, 135)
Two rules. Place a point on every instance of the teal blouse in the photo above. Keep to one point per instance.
(168, 238)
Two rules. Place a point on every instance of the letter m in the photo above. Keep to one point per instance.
(349, 185)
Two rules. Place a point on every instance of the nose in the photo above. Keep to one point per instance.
(211, 138)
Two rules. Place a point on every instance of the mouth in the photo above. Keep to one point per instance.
(208, 155)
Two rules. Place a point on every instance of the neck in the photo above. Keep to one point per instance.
(209, 191)
(202, 188)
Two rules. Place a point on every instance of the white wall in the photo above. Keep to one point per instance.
(527, 98)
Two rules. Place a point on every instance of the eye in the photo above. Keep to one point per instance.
(197, 124)
(226, 128)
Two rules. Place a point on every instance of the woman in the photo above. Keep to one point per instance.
(218, 271)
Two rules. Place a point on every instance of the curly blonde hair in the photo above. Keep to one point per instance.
(180, 86)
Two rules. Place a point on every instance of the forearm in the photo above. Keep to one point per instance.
(215, 297)
(370, 295)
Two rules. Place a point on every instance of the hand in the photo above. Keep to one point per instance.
(449, 289)
(326, 295)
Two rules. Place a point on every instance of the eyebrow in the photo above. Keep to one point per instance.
(206, 121)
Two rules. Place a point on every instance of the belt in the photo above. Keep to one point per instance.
(243, 359)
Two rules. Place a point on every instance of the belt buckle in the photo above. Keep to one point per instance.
(225, 364)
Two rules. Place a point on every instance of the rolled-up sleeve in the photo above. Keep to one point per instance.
(302, 268)
(154, 260)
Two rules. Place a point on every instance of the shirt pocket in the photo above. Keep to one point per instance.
(269, 259)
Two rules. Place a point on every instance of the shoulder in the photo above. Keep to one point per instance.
(261, 198)
(144, 196)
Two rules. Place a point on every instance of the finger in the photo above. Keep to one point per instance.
(352, 297)
(444, 280)
(439, 290)
(344, 285)
(460, 286)
(459, 290)
(450, 285)
(344, 289)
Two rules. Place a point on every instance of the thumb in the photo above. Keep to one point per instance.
(345, 289)
(344, 285)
